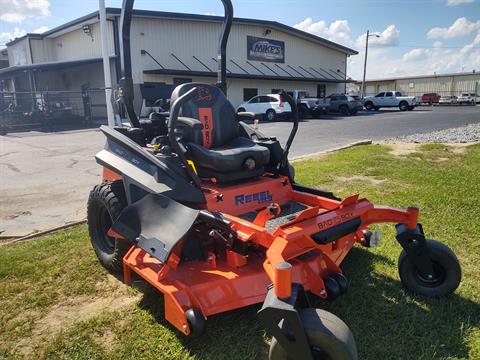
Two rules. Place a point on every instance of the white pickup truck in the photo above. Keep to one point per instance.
(390, 99)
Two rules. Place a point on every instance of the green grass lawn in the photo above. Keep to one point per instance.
(56, 301)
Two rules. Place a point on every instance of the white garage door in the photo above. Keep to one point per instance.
(370, 90)
(383, 88)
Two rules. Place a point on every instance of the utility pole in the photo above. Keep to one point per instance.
(106, 62)
(365, 63)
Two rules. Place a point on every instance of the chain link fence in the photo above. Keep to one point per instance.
(26, 109)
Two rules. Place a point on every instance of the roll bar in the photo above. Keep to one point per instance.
(125, 86)
(293, 107)
(222, 46)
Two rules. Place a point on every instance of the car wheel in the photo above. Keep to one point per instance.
(241, 110)
(343, 109)
(271, 115)
(403, 106)
(369, 105)
(410, 108)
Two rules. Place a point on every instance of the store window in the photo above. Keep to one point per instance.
(249, 93)
(321, 90)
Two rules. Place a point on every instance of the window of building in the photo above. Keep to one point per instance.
(276, 91)
(180, 81)
(249, 93)
(321, 90)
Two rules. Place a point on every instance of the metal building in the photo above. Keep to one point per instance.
(444, 85)
(172, 48)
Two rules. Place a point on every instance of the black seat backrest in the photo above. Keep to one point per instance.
(213, 110)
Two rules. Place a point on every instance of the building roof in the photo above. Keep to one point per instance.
(196, 17)
(422, 76)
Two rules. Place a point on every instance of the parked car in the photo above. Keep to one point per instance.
(344, 104)
(430, 98)
(390, 99)
(447, 100)
(468, 98)
(270, 105)
(308, 105)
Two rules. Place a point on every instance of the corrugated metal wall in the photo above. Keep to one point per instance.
(77, 45)
(19, 53)
(442, 85)
(198, 38)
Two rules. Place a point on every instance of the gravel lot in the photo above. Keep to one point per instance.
(463, 134)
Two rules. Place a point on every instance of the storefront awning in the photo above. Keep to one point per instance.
(49, 66)
(232, 75)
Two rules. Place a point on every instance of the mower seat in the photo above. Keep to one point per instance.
(217, 148)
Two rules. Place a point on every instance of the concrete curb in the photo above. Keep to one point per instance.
(314, 155)
(40, 233)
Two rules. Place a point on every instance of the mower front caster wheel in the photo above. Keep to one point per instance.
(446, 268)
(329, 337)
(196, 320)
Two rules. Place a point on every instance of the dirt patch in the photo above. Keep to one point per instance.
(81, 308)
(402, 149)
(460, 148)
(370, 179)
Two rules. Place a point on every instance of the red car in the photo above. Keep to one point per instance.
(430, 98)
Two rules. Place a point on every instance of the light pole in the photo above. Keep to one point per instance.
(106, 62)
(365, 63)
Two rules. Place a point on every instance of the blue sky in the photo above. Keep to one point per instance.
(417, 37)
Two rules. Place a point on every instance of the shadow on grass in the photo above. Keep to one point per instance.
(387, 322)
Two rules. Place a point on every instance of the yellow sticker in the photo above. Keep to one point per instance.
(190, 162)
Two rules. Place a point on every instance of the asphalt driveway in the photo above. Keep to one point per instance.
(45, 177)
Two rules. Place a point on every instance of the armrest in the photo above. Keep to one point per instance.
(246, 114)
(193, 123)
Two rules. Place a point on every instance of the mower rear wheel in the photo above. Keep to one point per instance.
(105, 203)
(445, 265)
(329, 337)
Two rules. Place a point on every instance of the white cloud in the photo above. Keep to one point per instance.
(415, 54)
(419, 61)
(388, 37)
(19, 10)
(10, 35)
(461, 27)
(338, 31)
(41, 29)
(210, 14)
(458, 2)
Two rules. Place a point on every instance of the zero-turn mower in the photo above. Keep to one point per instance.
(206, 210)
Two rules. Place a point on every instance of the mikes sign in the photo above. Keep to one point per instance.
(260, 49)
